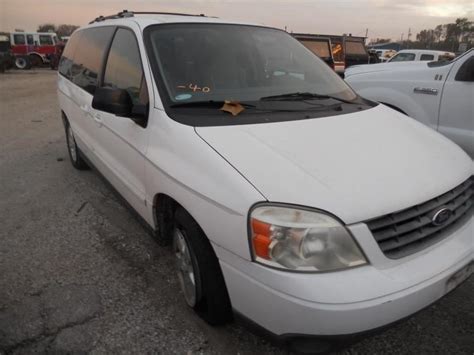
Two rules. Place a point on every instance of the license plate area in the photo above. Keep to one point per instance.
(459, 277)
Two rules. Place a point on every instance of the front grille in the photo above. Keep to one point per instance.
(408, 231)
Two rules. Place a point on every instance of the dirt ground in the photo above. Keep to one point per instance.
(78, 273)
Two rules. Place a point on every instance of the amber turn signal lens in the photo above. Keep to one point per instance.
(261, 245)
(261, 238)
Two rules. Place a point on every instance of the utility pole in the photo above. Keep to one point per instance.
(401, 37)
(366, 35)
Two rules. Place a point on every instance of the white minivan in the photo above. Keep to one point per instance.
(287, 198)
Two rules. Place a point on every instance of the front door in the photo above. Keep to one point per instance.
(120, 142)
(456, 114)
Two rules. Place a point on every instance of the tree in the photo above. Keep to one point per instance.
(380, 41)
(463, 27)
(66, 30)
(426, 36)
(439, 32)
(46, 27)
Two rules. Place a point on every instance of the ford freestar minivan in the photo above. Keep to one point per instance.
(286, 197)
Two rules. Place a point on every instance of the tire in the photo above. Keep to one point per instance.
(75, 154)
(211, 301)
(35, 60)
(22, 62)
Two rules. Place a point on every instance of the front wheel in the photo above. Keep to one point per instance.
(22, 63)
(75, 154)
(199, 273)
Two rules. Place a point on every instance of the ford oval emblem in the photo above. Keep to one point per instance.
(441, 216)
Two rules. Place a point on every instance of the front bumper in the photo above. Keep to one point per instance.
(346, 302)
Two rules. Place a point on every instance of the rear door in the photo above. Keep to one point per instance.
(456, 114)
(87, 62)
(121, 143)
(46, 44)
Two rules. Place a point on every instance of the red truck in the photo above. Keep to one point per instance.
(33, 48)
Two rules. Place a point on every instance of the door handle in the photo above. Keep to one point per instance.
(98, 118)
(84, 108)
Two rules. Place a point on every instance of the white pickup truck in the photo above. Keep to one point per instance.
(438, 94)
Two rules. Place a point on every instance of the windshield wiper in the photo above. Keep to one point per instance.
(208, 103)
(301, 96)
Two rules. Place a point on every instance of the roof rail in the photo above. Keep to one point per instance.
(126, 13)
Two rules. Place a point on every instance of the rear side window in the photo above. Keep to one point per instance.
(403, 57)
(124, 67)
(427, 57)
(357, 48)
(88, 57)
(19, 39)
(46, 40)
(30, 40)
(320, 48)
(65, 64)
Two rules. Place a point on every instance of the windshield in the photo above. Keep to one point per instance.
(216, 62)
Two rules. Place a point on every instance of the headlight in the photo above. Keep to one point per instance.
(301, 240)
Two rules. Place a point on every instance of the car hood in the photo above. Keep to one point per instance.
(357, 166)
(382, 67)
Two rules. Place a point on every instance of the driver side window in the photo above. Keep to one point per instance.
(124, 67)
(466, 71)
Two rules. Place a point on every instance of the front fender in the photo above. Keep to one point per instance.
(407, 101)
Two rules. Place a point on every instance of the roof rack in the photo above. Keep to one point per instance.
(126, 13)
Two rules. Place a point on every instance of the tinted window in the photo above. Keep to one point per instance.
(19, 39)
(89, 56)
(30, 39)
(403, 57)
(357, 48)
(46, 40)
(466, 72)
(320, 48)
(427, 57)
(200, 65)
(337, 52)
(65, 64)
(124, 67)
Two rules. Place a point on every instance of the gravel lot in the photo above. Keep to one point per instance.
(79, 273)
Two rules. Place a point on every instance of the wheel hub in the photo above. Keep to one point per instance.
(184, 267)
(71, 142)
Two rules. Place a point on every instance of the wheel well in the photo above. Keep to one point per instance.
(64, 118)
(37, 55)
(164, 208)
(394, 108)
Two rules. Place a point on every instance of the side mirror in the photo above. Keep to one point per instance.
(116, 101)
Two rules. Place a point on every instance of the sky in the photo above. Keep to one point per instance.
(382, 18)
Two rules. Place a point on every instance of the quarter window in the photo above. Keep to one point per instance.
(427, 57)
(65, 64)
(89, 56)
(124, 67)
(403, 57)
(19, 39)
(46, 40)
